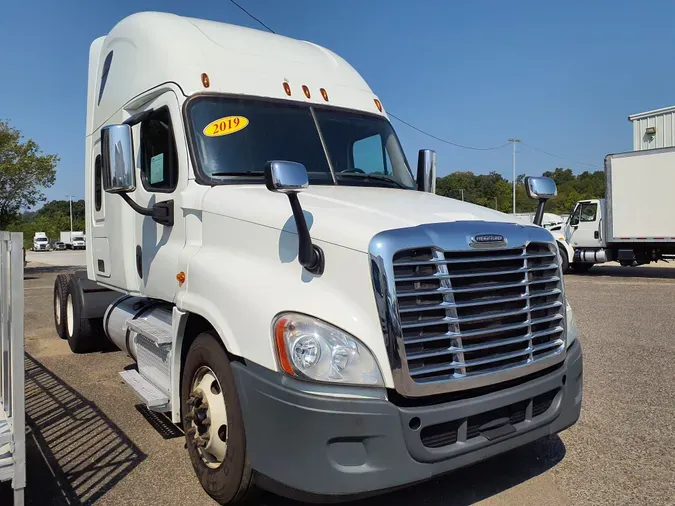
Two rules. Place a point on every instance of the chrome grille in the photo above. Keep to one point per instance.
(478, 312)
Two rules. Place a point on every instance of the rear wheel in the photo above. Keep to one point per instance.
(84, 334)
(213, 423)
(60, 296)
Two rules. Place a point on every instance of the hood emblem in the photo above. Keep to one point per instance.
(487, 241)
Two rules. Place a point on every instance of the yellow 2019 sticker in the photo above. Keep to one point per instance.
(225, 126)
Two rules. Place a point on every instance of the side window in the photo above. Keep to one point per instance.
(159, 162)
(98, 196)
(368, 155)
(588, 212)
(574, 219)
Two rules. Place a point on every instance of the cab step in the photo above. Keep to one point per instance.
(155, 334)
(152, 396)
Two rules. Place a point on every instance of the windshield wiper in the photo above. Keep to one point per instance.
(378, 177)
(241, 173)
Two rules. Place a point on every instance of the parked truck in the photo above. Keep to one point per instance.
(73, 240)
(41, 242)
(318, 321)
(634, 224)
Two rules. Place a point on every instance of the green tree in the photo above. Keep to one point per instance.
(24, 172)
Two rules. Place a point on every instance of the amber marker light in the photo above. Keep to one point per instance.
(279, 330)
(324, 94)
(287, 88)
(305, 90)
(205, 80)
(378, 104)
(180, 277)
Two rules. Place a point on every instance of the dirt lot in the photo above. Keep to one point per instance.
(89, 442)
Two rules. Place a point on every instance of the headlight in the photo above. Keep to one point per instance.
(312, 349)
(572, 330)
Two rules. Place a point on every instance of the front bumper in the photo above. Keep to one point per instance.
(310, 446)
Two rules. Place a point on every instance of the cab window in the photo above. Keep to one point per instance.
(159, 161)
(588, 212)
(574, 219)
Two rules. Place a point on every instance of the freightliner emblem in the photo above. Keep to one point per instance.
(487, 240)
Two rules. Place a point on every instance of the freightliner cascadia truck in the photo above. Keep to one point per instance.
(312, 315)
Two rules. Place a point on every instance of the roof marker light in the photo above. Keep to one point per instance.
(287, 88)
(378, 104)
(205, 80)
(324, 94)
(305, 89)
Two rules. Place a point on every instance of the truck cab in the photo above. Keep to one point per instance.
(41, 242)
(584, 226)
(288, 287)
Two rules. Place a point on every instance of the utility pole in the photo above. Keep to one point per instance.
(462, 190)
(495, 203)
(514, 141)
(70, 198)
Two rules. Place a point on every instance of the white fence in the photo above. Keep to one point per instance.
(12, 392)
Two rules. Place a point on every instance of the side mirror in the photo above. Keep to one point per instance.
(286, 177)
(291, 178)
(426, 171)
(118, 171)
(542, 189)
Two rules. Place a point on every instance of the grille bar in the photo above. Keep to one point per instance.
(494, 358)
(482, 317)
(483, 346)
(435, 261)
(480, 273)
(473, 313)
(493, 286)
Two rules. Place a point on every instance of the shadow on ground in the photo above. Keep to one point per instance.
(468, 485)
(49, 269)
(75, 453)
(616, 271)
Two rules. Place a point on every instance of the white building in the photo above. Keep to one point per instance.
(653, 129)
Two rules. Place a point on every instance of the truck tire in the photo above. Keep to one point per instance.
(84, 334)
(209, 394)
(581, 267)
(564, 261)
(60, 297)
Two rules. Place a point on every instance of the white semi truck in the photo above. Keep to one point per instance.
(41, 242)
(318, 320)
(634, 224)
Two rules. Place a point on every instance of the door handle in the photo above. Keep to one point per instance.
(596, 234)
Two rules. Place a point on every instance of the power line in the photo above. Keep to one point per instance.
(252, 16)
(443, 140)
(560, 157)
(473, 148)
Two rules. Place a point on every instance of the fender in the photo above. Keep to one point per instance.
(178, 322)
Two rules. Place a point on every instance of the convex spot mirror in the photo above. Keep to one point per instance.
(117, 159)
(286, 177)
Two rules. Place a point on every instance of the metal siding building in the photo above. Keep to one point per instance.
(662, 120)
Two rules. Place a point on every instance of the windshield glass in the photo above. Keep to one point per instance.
(41, 239)
(235, 137)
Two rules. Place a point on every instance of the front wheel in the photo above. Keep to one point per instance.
(213, 423)
(564, 261)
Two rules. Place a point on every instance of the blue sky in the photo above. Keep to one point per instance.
(562, 76)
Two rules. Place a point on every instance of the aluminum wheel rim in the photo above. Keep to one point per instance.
(208, 417)
(69, 314)
(57, 309)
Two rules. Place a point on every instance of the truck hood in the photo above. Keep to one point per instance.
(347, 216)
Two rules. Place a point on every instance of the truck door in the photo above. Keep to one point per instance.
(584, 226)
(161, 156)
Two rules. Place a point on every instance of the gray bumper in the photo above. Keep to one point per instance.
(310, 446)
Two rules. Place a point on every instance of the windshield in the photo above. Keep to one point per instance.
(235, 137)
(41, 239)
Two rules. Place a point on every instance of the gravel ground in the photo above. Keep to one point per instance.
(88, 442)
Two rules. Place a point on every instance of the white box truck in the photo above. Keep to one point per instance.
(40, 242)
(634, 224)
(317, 319)
(73, 240)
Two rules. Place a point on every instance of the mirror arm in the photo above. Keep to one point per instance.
(310, 256)
(539, 214)
(161, 212)
(138, 117)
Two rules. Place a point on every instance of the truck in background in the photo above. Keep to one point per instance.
(317, 318)
(41, 242)
(74, 240)
(634, 224)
